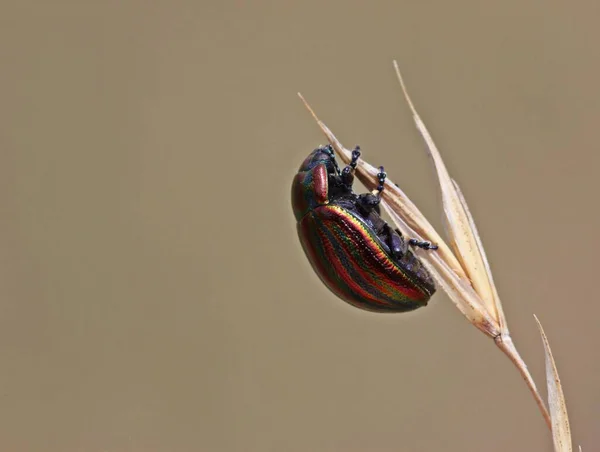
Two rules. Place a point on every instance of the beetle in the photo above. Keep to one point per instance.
(356, 253)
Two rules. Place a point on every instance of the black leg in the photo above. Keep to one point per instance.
(422, 244)
(348, 172)
(397, 245)
(381, 176)
(370, 201)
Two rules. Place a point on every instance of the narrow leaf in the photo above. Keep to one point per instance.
(561, 432)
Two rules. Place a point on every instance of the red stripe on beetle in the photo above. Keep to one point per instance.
(355, 235)
(351, 263)
(306, 231)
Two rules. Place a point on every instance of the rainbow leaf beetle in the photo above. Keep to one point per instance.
(355, 253)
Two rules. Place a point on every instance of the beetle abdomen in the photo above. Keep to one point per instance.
(348, 257)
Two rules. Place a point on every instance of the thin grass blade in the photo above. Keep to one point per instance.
(561, 431)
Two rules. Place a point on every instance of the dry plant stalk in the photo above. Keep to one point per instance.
(461, 267)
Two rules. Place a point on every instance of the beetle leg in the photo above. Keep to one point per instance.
(381, 176)
(348, 177)
(369, 202)
(355, 156)
(397, 245)
(348, 172)
(422, 244)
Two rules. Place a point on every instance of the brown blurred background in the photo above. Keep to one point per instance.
(154, 296)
